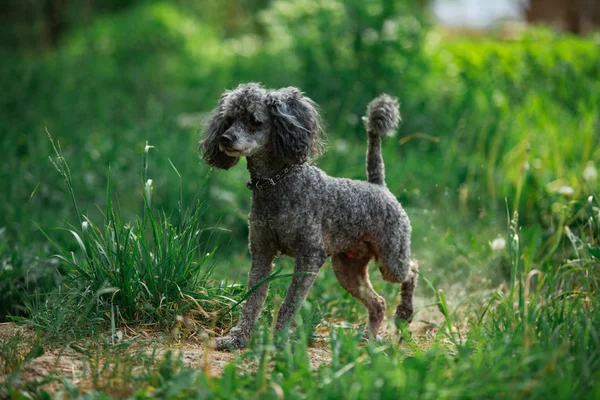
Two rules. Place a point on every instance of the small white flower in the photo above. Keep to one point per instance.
(566, 191)
(498, 244)
(590, 174)
(84, 226)
(590, 200)
(147, 148)
(148, 189)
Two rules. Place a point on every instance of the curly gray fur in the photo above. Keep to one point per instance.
(382, 119)
(383, 116)
(297, 129)
(308, 215)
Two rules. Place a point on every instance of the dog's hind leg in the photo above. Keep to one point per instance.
(353, 276)
(405, 309)
(397, 267)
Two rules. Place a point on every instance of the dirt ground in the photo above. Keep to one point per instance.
(67, 362)
(75, 363)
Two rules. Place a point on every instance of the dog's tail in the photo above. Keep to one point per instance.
(383, 117)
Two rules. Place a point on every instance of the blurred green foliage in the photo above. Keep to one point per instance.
(488, 119)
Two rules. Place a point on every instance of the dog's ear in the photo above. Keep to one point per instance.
(296, 127)
(209, 144)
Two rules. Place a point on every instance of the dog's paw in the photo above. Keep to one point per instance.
(367, 337)
(229, 342)
(404, 314)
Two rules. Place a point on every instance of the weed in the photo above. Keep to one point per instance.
(146, 272)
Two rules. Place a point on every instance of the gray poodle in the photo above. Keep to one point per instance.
(299, 211)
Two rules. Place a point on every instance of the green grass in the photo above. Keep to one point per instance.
(511, 342)
(148, 271)
(131, 238)
(506, 344)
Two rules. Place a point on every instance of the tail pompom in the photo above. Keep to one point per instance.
(383, 116)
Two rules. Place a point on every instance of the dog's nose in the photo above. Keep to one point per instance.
(225, 140)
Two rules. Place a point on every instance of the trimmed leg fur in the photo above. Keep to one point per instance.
(405, 309)
(353, 276)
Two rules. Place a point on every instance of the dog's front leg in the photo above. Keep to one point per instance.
(262, 264)
(306, 269)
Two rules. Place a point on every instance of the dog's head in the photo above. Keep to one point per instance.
(250, 120)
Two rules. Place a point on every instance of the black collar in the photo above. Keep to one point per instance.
(265, 183)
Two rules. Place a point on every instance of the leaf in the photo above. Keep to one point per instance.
(79, 242)
(594, 251)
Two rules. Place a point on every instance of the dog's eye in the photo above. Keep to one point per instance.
(254, 124)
